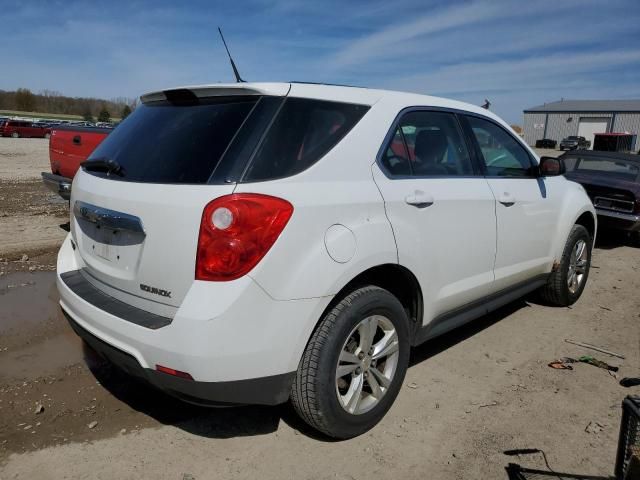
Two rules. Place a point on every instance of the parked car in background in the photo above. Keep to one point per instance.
(68, 147)
(575, 143)
(295, 241)
(546, 143)
(612, 181)
(23, 128)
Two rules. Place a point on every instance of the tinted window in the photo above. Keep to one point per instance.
(428, 144)
(163, 142)
(503, 155)
(303, 132)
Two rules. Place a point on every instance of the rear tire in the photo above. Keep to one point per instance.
(567, 282)
(367, 330)
(15, 135)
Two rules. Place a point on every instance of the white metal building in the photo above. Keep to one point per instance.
(585, 118)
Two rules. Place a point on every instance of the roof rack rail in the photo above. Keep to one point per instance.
(328, 84)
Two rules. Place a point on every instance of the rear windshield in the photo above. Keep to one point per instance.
(224, 139)
(165, 142)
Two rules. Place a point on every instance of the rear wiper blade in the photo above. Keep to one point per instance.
(103, 164)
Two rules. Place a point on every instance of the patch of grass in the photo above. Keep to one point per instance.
(58, 116)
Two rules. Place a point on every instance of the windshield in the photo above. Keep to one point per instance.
(163, 142)
(607, 167)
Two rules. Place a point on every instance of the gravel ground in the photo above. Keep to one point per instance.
(23, 158)
(468, 396)
(30, 215)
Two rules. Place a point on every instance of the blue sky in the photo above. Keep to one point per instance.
(517, 54)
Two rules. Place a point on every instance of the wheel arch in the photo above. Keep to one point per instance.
(588, 221)
(576, 209)
(396, 279)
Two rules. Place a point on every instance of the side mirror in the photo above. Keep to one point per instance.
(552, 167)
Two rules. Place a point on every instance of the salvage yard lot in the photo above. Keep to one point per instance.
(468, 396)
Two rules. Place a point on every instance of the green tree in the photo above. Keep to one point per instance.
(86, 115)
(104, 115)
(126, 111)
(25, 100)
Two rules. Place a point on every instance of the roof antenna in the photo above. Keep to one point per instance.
(486, 104)
(233, 65)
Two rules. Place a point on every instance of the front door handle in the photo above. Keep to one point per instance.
(506, 199)
(419, 199)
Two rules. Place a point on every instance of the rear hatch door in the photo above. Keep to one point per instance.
(138, 201)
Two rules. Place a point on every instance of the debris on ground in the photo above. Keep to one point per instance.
(594, 427)
(560, 365)
(597, 363)
(412, 385)
(93, 424)
(491, 404)
(25, 258)
(39, 409)
(565, 363)
(630, 382)
(594, 347)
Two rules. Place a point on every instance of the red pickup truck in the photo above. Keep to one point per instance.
(68, 148)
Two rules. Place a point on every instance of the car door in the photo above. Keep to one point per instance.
(526, 208)
(441, 209)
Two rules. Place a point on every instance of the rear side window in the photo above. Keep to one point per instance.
(428, 144)
(301, 134)
(179, 142)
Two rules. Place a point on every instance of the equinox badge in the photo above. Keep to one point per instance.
(156, 291)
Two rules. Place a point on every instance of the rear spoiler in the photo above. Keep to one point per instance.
(222, 90)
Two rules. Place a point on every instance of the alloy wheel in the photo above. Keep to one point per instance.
(367, 364)
(577, 266)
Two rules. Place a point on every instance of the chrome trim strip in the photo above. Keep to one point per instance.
(107, 218)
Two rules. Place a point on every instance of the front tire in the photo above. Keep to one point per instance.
(567, 282)
(354, 364)
(15, 135)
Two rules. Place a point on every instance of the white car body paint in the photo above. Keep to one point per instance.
(348, 217)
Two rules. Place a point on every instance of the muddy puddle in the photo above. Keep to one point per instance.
(34, 340)
(55, 390)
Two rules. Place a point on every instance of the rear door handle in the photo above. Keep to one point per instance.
(419, 199)
(506, 199)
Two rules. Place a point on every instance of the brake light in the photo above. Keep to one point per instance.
(236, 231)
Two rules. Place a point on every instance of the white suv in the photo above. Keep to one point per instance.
(254, 243)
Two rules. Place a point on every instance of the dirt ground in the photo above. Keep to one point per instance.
(30, 215)
(468, 396)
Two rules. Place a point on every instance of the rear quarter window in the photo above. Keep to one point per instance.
(303, 131)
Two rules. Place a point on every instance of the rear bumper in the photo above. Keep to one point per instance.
(270, 390)
(57, 184)
(239, 344)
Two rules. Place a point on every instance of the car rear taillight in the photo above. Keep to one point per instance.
(236, 231)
